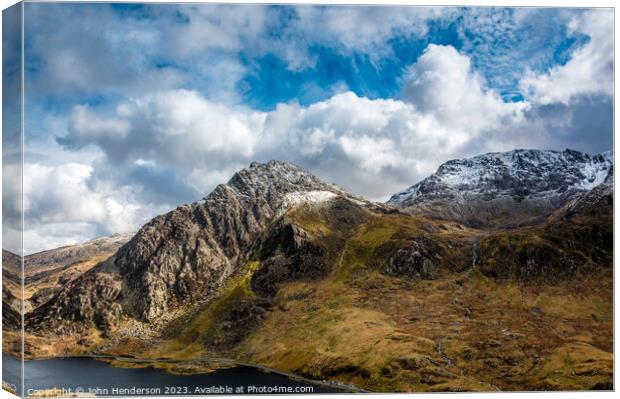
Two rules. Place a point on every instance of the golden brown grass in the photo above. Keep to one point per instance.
(459, 331)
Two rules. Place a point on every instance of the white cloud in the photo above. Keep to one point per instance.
(589, 70)
(371, 154)
(63, 206)
(442, 83)
(217, 27)
(88, 125)
(177, 127)
(60, 194)
(370, 146)
(99, 50)
(365, 29)
(11, 199)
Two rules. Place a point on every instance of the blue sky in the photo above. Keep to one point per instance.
(133, 109)
(500, 49)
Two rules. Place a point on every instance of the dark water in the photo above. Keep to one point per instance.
(87, 375)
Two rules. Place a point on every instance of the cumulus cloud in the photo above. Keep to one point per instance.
(589, 72)
(11, 203)
(442, 83)
(177, 127)
(63, 205)
(372, 147)
(203, 142)
(217, 27)
(189, 45)
(97, 51)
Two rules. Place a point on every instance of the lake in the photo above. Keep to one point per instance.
(99, 378)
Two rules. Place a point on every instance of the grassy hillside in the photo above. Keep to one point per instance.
(324, 296)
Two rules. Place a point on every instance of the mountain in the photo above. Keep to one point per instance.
(280, 269)
(46, 272)
(390, 301)
(62, 257)
(575, 241)
(185, 254)
(505, 189)
(11, 290)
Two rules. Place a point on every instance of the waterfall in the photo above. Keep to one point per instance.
(474, 253)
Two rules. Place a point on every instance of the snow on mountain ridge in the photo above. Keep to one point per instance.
(314, 198)
(517, 174)
(277, 178)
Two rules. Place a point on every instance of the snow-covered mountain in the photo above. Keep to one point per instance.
(495, 188)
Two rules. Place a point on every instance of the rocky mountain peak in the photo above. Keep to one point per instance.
(489, 185)
(276, 179)
(517, 174)
(187, 253)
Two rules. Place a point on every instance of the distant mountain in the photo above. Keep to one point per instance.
(69, 254)
(47, 271)
(575, 241)
(505, 189)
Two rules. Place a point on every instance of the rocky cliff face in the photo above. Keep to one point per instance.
(505, 189)
(11, 290)
(186, 253)
(575, 241)
(11, 264)
(45, 273)
(179, 256)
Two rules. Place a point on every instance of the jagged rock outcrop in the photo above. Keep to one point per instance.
(576, 240)
(288, 254)
(92, 298)
(43, 295)
(599, 200)
(11, 319)
(11, 265)
(505, 189)
(299, 244)
(585, 224)
(178, 256)
(418, 260)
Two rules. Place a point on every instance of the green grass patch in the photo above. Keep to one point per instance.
(236, 290)
(362, 246)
